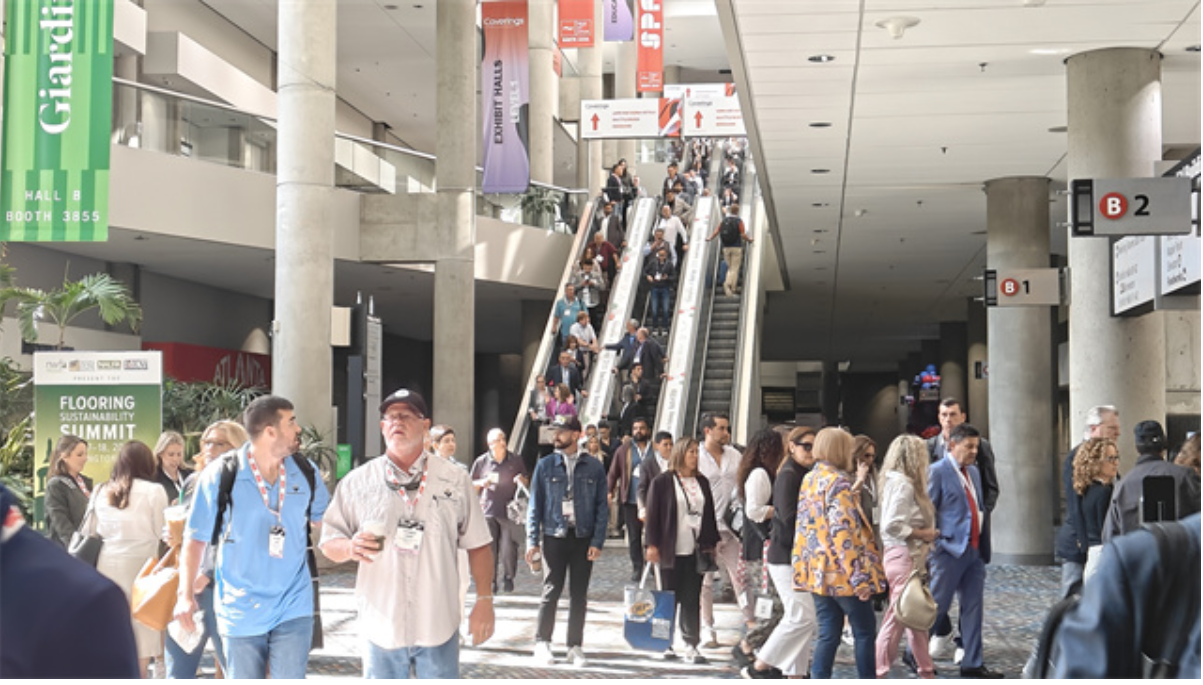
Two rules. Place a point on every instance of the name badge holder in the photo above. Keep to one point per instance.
(275, 536)
(408, 536)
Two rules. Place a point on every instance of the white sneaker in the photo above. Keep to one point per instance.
(692, 656)
(576, 657)
(846, 636)
(938, 645)
(543, 655)
(958, 655)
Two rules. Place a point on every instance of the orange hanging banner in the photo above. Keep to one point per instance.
(650, 31)
(576, 24)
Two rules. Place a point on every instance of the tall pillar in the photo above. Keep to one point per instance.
(951, 366)
(544, 89)
(589, 174)
(1114, 132)
(977, 393)
(534, 325)
(455, 269)
(302, 362)
(1021, 377)
(829, 394)
(625, 65)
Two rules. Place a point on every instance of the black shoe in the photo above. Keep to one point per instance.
(750, 672)
(635, 576)
(742, 658)
(507, 586)
(980, 672)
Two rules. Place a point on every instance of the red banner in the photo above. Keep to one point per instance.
(185, 362)
(650, 76)
(576, 23)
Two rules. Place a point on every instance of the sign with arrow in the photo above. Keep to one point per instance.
(627, 118)
(712, 116)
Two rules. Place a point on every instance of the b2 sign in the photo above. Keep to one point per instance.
(1131, 206)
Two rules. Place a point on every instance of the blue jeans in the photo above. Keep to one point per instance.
(180, 664)
(830, 612)
(660, 310)
(285, 649)
(427, 662)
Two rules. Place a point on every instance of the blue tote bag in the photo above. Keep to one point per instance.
(649, 616)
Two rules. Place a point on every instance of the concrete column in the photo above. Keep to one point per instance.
(1114, 132)
(977, 393)
(1021, 377)
(625, 65)
(544, 88)
(125, 100)
(904, 389)
(672, 73)
(952, 361)
(829, 394)
(589, 173)
(302, 362)
(455, 269)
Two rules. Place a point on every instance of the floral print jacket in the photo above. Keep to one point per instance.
(835, 553)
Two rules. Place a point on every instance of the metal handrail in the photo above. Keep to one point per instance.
(750, 302)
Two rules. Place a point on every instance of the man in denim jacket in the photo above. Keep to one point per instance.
(566, 524)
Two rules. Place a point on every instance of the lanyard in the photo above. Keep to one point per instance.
(82, 485)
(263, 487)
(395, 483)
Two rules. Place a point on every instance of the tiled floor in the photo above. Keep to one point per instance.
(1016, 601)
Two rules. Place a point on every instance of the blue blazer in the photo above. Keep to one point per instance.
(952, 509)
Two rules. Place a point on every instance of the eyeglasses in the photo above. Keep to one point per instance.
(401, 418)
(808, 446)
(214, 442)
(1114, 460)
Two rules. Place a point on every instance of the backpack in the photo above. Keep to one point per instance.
(729, 231)
(229, 469)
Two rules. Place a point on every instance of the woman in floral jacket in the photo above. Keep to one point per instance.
(835, 555)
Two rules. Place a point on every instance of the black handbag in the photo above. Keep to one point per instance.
(734, 517)
(85, 543)
(705, 561)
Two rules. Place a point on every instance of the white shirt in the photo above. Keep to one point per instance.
(900, 513)
(672, 227)
(583, 332)
(407, 599)
(722, 478)
(758, 495)
(689, 498)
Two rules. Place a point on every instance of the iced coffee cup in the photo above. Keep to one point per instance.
(376, 529)
(176, 517)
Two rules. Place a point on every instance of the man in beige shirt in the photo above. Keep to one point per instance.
(403, 515)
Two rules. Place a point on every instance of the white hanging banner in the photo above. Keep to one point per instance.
(712, 117)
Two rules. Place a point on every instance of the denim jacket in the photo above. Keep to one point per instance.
(549, 487)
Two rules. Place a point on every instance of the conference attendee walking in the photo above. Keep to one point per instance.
(403, 516)
(68, 490)
(264, 593)
(836, 558)
(680, 525)
(907, 531)
(566, 528)
(497, 474)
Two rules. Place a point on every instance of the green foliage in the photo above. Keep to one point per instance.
(100, 292)
(16, 462)
(538, 205)
(190, 406)
(319, 450)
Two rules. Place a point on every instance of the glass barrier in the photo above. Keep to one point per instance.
(151, 118)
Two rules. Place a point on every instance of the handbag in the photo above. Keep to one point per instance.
(515, 511)
(733, 516)
(152, 597)
(915, 608)
(648, 615)
(85, 543)
(705, 561)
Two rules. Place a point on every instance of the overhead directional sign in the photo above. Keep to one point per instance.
(628, 118)
(1131, 206)
(1023, 287)
(712, 116)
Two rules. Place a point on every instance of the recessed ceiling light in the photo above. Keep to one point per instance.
(820, 251)
(1058, 129)
(141, 237)
(821, 230)
(820, 171)
(1192, 48)
(390, 7)
(819, 204)
(820, 124)
(821, 59)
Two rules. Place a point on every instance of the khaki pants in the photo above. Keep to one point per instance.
(734, 257)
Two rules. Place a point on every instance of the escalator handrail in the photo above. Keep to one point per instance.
(749, 305)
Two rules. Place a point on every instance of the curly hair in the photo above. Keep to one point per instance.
(1088, 462)
(765, 450)
(1188, 456)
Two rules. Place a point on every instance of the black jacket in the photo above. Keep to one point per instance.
(65, 507)
(173, 493)
(652, 359)
(1070, 539)
(785, 511)
(1123, 516)
(660, 524)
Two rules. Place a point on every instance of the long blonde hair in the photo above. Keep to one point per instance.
(908, 456)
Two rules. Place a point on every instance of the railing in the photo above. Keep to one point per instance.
(160, 120)
(747, 347)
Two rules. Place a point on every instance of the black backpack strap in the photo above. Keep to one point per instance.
(229, 469)
(1165, 641)
(1043, 661)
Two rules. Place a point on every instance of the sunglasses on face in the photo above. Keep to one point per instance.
(808, 446)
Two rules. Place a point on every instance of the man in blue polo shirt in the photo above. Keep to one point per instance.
(264, 600)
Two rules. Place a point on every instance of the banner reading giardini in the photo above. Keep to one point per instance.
(505, 97)
(58, 100)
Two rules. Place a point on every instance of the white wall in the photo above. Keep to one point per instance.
(211, 30)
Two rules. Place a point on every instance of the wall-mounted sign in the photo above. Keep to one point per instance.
(1134, 273)
(1023, 287)
(1131, 206)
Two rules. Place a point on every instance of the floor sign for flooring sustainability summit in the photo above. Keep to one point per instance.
(106, 398)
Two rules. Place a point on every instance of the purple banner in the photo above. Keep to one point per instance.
(505, 97)
(619, 21)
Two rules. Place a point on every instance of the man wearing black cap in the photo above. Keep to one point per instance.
(1124, 514)
(566, 526)
(402, 516)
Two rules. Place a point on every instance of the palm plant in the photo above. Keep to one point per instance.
(16, 462)
(100, 292)
(538, 204)
(189, 407)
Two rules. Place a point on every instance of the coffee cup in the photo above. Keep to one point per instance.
(376, 529)
(176, 517)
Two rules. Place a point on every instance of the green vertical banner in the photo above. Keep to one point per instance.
(58, 94)
(344, 460)
(106, 398)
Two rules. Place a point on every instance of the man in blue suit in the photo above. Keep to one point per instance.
(958, 561)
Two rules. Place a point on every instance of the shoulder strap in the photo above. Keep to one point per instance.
(229, 469)
(1164, 643)
(307, 470)
(1043, 659)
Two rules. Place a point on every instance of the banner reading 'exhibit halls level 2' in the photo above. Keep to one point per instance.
(106, 398)
(650, 75)
(58, 95)
(505, 97)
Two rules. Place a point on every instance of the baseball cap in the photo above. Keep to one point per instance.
(568, 423)
(405, 396)
(1150, 434)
